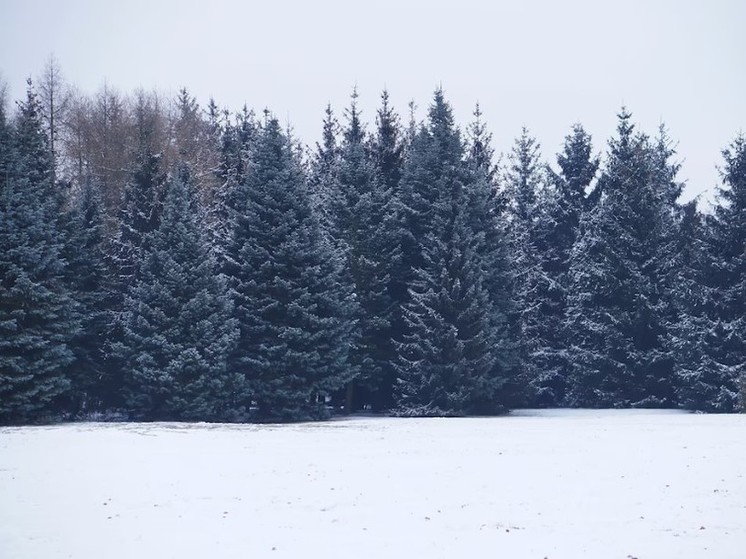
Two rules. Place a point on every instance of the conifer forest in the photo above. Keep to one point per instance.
(166, 260)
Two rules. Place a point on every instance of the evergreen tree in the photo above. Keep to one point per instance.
(568, 197)
(729, 228)
(359, 220)
(37, 314)
(711, 333)
(139, 217)
(323, 180)
(292, 309)
(89, 274)
(524, 184)
(448, 355)
(385, 242)
(480, 152)
(178, 328)
(236, 143)
(701, 382)
(6, 142)
(488, 207)
(617, 307)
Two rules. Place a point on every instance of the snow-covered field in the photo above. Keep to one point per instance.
(556, 484)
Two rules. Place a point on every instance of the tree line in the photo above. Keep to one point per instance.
(161, 261)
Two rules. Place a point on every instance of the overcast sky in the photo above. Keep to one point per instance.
(543, 63)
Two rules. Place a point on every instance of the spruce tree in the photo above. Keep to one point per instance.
(90, 276)
(488, 207)
(701, 382)
(139, 215)
(387, 155)
(138, 218)
(323, 177)
(178, 325)
(568, 197)
(360, 222)
(235, 144)
(713, 373)
(447, 364)
(292, 309)
(37, 314)
(524, 184)
(617, 306)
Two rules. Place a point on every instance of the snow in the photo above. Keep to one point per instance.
(555, 484)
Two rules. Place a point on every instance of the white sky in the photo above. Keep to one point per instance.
(542, 63)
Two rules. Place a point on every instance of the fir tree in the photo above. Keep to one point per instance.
(359, 220)
(178, 328)
(236, 143)
(37, 314)
(447, 362)
(139, 217)
(524, 184)
(487, 207)
(701, 382)
(616, 310)
(386, 230)
(323, 179)
(714, 372)
(293, 312)
(568, 197)
(90, 276)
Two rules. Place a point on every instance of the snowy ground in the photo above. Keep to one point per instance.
(558, 484)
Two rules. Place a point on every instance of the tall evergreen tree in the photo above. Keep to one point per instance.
(139, 217)
(37, 314)
(292, 309)
(385, 244)
(487, 207)
(360, 222)
(568, 197)
(524, 184)
(616, 310)
(447, 359)
(713, 367)
(178, 328)
(694, 329)
(90, 276)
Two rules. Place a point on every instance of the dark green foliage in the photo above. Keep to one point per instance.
(235, 141)
(702, 382)
(567, 198)
(90, 275)
(178, 329)
(487, 210)
(524, 184)
(366, 225)
(710, 332)
(37, 314)
(617, 308)
(385, 259)
(139, 216)
(447, 364)
(293, 311)
(405, 272)
(325, 191)
(729, 236)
